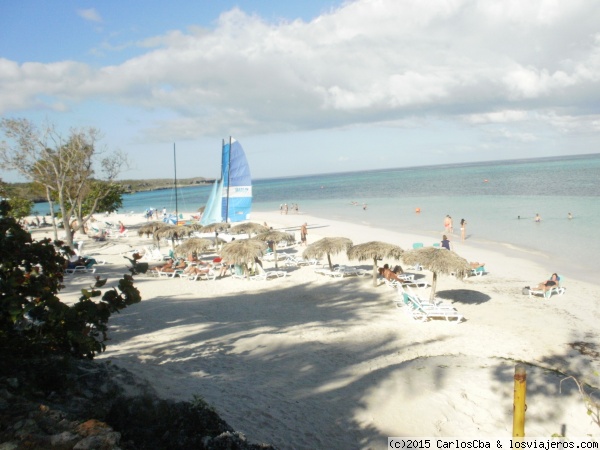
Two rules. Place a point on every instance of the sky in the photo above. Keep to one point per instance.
(309, 86)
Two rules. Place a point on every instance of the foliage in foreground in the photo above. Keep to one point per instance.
(33, 320)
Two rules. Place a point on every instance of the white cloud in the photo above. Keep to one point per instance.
(90, 14)
(368, 62)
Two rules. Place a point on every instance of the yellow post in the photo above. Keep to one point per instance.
(519, 405)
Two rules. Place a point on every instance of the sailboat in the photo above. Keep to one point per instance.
(231, 196)
(174, 218)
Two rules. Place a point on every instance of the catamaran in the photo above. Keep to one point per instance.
(231, 196)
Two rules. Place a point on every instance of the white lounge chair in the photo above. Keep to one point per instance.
(80, 269)
(558, 289)
(548, 293)
(210, 275)
(266, 274)
(478, 272)
(419, 309)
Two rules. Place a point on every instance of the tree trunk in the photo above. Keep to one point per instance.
(51, 204)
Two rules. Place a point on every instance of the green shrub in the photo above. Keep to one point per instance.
(33, 320)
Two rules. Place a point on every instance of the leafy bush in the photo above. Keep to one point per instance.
(33, 320)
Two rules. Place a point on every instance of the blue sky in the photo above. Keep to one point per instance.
(308, 86)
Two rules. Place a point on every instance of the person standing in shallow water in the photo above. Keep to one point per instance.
(463, 229)
(537, 217)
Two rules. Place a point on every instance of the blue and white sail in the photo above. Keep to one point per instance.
(231, 197)
(237, 183)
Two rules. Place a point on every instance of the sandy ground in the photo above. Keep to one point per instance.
(307, 361)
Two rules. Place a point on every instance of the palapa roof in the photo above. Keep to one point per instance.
(327, 246)
(438, 260)
(374, 250)
(198, 245)
(248, 227)
(242, 251)
(275, 236)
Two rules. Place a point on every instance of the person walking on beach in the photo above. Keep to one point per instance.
(463, 228)
(303, 233)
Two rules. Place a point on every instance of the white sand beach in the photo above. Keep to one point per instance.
(307, 361)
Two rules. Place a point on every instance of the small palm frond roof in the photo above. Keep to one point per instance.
(439, 260)
(327, 246)
(275, 236)
(198, 245)
(374, 250)
(243, 250)
(248, 227)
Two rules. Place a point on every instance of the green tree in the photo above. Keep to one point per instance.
(64, 166)
(110, 198)
(19, 206)
(33, 320)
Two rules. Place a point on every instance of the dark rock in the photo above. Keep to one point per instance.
(66, 405)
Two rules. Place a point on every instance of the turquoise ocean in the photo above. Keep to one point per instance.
(499, 201)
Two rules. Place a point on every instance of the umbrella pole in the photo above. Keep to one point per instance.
(275, 253)
(375, 272)
(433, 284)
(329, 260)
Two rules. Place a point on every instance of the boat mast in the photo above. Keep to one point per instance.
(228, 179)
(175, 183)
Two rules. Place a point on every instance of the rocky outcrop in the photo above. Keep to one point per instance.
(80, 405)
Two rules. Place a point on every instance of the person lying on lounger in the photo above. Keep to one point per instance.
(195, 270)
(388, 274)
(549, 284)
(170, 266)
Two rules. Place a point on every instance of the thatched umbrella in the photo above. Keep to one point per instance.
(276, 237)
(186, 230)
(150, 228)
(198, 245)
(195, 226)
(438, 260)
(217, 226)
(171, 232)
(327, 246)
(242, 251)
(248, 227)
(374, 250)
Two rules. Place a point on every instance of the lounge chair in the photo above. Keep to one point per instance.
(150, 253)
(419, 308)
(266, 274)
(210, 275)
(341, 271)
(478, 271)
(558, 290)
(80, 269)
(293, 261)
(173, 274)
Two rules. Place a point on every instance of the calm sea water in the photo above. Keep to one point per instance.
(490, 196)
